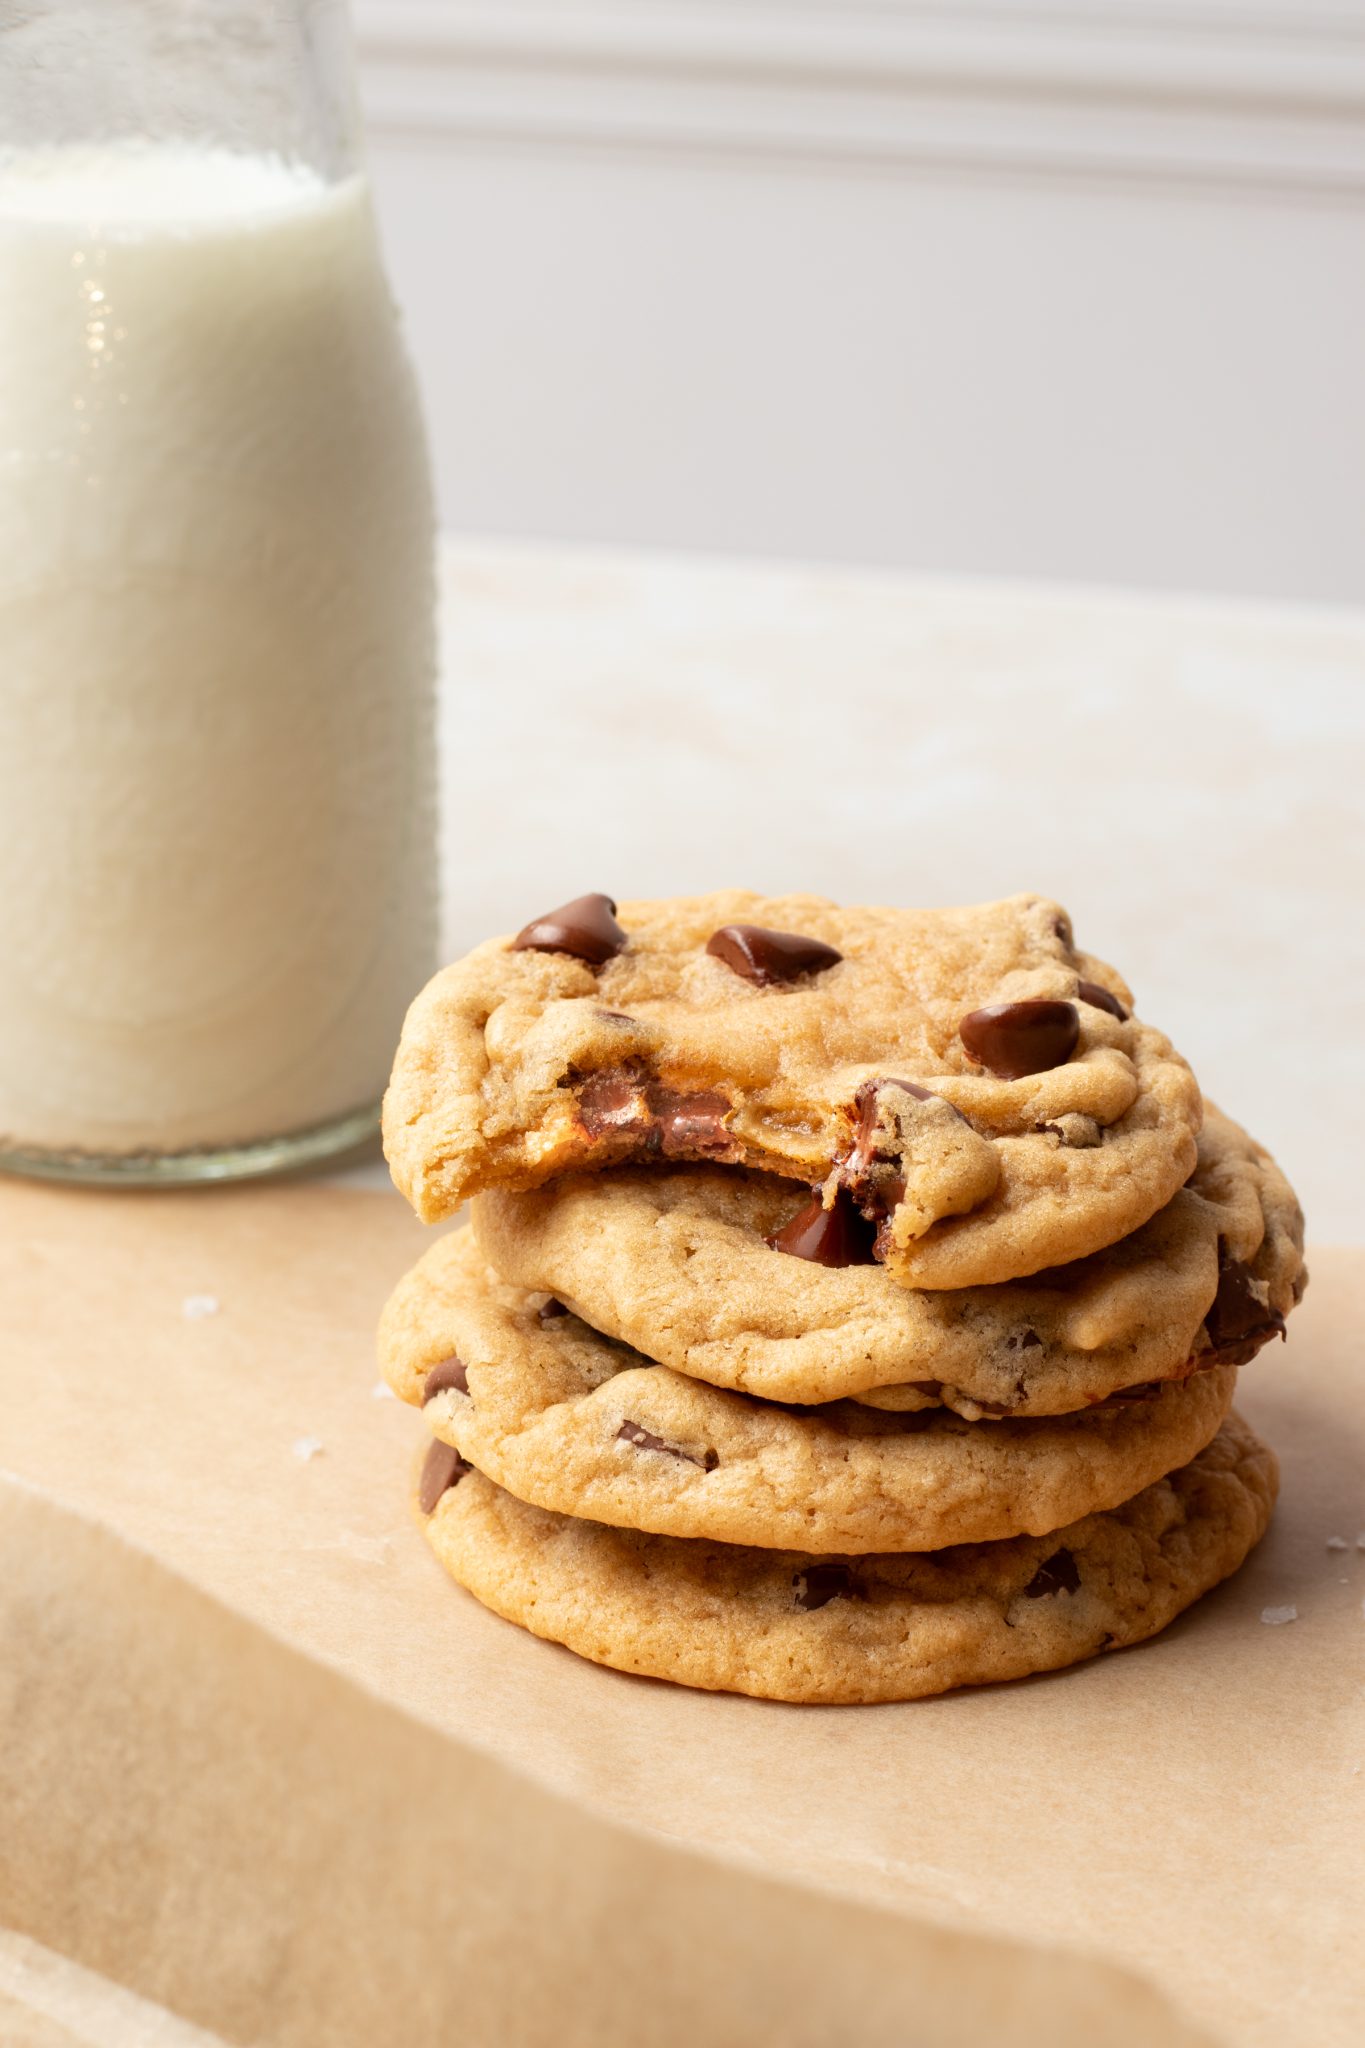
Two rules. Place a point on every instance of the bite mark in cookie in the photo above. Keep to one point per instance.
(738, 1028)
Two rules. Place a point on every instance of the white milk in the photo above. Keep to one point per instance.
(216, 860)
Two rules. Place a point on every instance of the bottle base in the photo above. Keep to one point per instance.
(295, 1151)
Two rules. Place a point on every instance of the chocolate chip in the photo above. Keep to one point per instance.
(1238, 1312)
(442, 1468)
(689, 1124)
(1101, 999)
(624, 1102)
(548, 1310)
(768, 957)
(645, 1440)
(587, 928)
(821, 1583)
(612, 1100)
(831, 1237)
(449, 1373)
(1014, 1039)
(1057, 1575)
(655, 1119)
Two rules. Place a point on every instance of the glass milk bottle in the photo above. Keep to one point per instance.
(217, 864)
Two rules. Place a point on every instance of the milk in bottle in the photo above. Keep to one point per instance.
(216, 834)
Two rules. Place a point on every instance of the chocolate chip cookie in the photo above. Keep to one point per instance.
(973, 1095)
(791, 1625)
(696, 1267)
(571, 1421)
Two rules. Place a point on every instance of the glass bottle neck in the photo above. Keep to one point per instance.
(255, 77)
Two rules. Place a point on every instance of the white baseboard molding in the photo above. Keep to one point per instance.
(1270, 99)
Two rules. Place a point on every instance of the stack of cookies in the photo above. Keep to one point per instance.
(853, 1299)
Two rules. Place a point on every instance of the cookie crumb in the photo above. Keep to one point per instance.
(195, 1307)
(1336, 1543)
(307, 1447)
(382, 1391)
(1273, 1616)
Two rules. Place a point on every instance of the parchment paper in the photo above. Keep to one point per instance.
(264, 1771)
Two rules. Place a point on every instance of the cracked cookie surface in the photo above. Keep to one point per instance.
(570, 1421)
(676, 1262)
(796, 1626)
(972, 1082)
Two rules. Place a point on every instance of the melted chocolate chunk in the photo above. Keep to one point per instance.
(548, 1310)
(442, 1468)
(1147, 1390)
(1014, 1039)
(612, 1100)
(645, 1440)
(821, 1583)
(658, 1120)
(449, 1372)
(1101, 999)
(830, 1237)
(587, 928)
(1058, 1574)
(769, 958)
(689, 1124)
(1237, 1314)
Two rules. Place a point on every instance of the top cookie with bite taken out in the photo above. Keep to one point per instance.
(963, 1083)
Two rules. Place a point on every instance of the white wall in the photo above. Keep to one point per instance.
(1074, 291)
